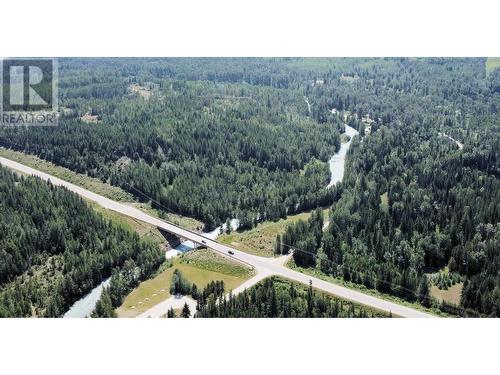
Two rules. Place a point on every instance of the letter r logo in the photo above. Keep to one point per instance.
(28, 85)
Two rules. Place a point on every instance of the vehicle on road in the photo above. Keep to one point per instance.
(262, 265)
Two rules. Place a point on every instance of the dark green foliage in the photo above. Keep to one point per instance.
(104, 307)
(234, 138)
(444, 280)
(443, 201)
(186, 312)
(203, 149)
(423, 291)
(276, 298)
(212, 293)
(171, 313)
(278, 249)
(194, 291)
(124, 280)
(303, 238)
(180, 285)
(494, 79)
(54, 248)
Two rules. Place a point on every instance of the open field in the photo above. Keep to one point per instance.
(446, 286)
(492, 63)
(212, 261)
(142, 91)
(260, 240)
(89, 119)
(199, 268)
(452, 295)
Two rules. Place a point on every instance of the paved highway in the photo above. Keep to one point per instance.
(263, 266)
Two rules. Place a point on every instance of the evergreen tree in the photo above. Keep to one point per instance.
(278, 245)
(186, 312)
(423, 291)
(194, 291)
(275, 297)
(104, 307)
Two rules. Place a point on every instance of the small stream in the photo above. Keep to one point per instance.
(459, 144)
(308, 104)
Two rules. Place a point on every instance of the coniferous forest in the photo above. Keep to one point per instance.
(54, 248)
(201, 148)
(276, 298)
(248, 138)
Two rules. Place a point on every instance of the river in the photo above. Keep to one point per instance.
(189, 245)
(84, 306)
(336, 164)
(459, 144)
(308, 104)
(337, 161)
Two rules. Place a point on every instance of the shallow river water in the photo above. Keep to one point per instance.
(84, 307)
(337, 161)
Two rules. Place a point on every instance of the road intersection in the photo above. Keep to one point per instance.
(264, 267)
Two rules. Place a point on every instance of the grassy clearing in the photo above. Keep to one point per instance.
(142, 91)
(84, 181)
(384, 202)
(349, 79)
(361, 288)
(141, 228)
(492, 63)
(199, 269)
(89, 119)
(212, 261)
(260, 240)
(182, 221)
(451, 295)
(446, 286)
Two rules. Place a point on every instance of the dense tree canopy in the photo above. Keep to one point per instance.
(54, 248)
(223, 138)
(200, 148)
(276, 298)
(414, 201)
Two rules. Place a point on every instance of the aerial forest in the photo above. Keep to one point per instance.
(54, 248)
(250, 138)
